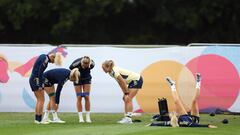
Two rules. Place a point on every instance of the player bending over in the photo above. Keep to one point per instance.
(130, 83)
(57, 76)
(36, 81)
(83, 86)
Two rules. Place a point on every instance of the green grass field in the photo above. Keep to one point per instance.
(105, 124)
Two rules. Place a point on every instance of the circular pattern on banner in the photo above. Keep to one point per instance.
(220, 81)
(155, 85)
(230, 53)
(29, 101)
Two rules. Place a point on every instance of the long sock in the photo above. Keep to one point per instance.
(129, 114)
(88, 116)
(198, 85)
(55, 116)
(46, 114)
(80, 115)
(173, 87)
(198, 81)
(38, 117)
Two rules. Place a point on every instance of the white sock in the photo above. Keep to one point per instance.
(173, 87)
(55, 116)
(80, 115)
(88, 116)
(129, 114)
(198, 84)
(46, 114)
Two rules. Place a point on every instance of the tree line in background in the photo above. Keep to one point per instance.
(119, 21)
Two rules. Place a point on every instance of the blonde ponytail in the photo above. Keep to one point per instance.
(174, 119)
(76, 74)
(58, 59)
(108, 64)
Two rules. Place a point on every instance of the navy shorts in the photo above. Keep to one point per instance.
(33, 84)
(195, 119)
(83, 81)
(137, 84)
(185, 120)
(47, 83)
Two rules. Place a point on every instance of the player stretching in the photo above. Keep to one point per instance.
(57, 76)
(180, 117)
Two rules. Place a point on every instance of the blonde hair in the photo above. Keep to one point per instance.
(58, 59)
(174, 119)
(76, 74)
(86, 60)
(108, 64)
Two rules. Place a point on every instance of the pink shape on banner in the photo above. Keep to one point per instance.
(23, 69)
(220, 81)
(3, 71)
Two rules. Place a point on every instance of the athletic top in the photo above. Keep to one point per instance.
(39, 67)
(183, 121)
(127, 75)
(190, 121)
(85, 73)
(57, 76)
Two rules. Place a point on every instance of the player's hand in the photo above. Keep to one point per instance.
(126, 98)
(41, 88)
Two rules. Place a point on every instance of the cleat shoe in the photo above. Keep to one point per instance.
(44, 122)
(47, 119)
(198, 77)
(36, 122)
(125, 120)
(170, 81)
(81, 121)
(58, 121)
(88, 120)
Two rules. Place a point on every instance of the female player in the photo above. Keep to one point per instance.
(36, 81)
(181, 117)
(83, 86)
(130, 83)
(57, 76)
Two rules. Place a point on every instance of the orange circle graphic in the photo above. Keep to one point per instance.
(155, 85)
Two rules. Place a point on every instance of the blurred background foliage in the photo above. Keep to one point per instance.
(119, 21)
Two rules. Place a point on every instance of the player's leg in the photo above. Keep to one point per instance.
(86, 89)
(180, 110)
(39, 94)
(195, 108)
(133, 87)
(51, 104)
(128, 106)
(78, 90)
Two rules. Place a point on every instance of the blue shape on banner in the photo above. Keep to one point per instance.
(28, 99)
(230, 53)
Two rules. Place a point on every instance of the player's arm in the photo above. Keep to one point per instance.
(58, 93)
(75, 64)
(41, 69)
(92, 64)
(122, 84)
